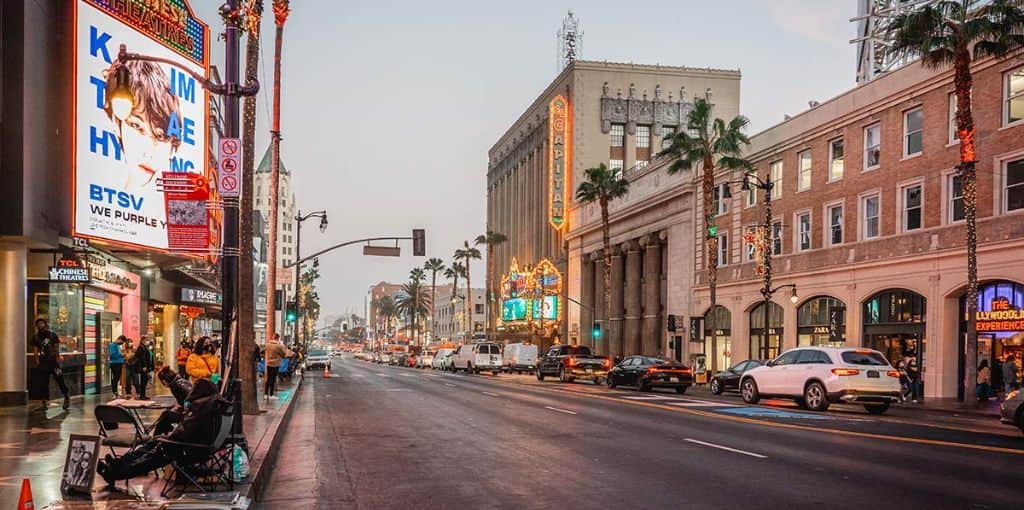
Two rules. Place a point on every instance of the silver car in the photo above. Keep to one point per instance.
(1012, 409)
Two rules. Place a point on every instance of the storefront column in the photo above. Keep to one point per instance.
(601, 343)
(615, 347)
(13, 326)
(587, 298)
(634, 306)
(172, 335)
(652, 296)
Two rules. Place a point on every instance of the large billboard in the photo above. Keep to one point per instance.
(122, 152)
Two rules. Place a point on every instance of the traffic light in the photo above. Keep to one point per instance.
(419, 242)
(292, 313)
(596, 333)
(712, 231)
(671, 322)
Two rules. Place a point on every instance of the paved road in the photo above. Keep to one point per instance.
(378, 437)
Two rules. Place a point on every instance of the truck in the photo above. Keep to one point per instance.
(571, 362)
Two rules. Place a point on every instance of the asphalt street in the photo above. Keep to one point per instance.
(374, 437)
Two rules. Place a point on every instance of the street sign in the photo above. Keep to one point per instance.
(382, 251)
(229, 179)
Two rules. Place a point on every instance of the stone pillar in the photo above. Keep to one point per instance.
(13, 324)
(652, 295)
(172, 335)
(600, 344)
(634, 306)
(615, 347)
(587, 298)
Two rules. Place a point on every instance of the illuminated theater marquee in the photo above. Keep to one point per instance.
(558, 164)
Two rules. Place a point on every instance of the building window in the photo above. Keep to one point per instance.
(912, 207)
(956, 199)
(751, 193)
(803, 222)
(777, 238)
(913, 132)
(835, 158)
(835, 224)
(723, 249)
(954, 136)
(1013, 189)
(719, 204)
(872, 146)
(1015, 96)
(618, 136)
(776, 177)
(643, 145)
(615, 164)
(804, 167)
(667, 132)
(870, 208)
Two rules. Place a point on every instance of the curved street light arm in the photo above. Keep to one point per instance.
(342, 245)
(251, 87)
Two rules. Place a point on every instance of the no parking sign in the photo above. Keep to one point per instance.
(229, 182)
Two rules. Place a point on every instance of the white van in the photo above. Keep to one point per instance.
(474, 358)
(519, 358)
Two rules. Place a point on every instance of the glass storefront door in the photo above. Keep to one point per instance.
(761, 346)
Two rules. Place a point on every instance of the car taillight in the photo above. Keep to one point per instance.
(893, 373)
(607, 363)
(570, 361)
(845, 371)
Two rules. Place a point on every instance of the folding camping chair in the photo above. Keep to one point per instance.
(201, 462)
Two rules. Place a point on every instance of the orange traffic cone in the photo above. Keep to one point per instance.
(25, 501)
(327, 372)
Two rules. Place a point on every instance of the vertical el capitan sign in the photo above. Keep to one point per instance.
(558, 159)
(121, 155)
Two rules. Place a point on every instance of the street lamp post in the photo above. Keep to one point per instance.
(122, 103)
(299, 218)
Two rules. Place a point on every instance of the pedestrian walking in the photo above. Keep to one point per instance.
(901, 367)
(984, 387)
(915, 380)
(275, 352)
(46, 346)
(203, 363)
(143, 367)
(1010, 373)
(128, 351)
(115, 359)
(184, 351)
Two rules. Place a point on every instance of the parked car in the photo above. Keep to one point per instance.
(571, 362)
(818, 376)
(384, 358)
(425, 359)
(410, 361)
(646, 372)
(442, 360)
(318, 358)
(519, 358)
(400, 359)
(1012, 409)
(729, 379)
(474, 358)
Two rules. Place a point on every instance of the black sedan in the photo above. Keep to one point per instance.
(729, 379)
(646, 372)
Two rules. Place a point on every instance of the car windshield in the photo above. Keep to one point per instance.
(870, 358)
(318, 353)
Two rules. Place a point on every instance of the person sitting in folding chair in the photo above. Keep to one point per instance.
(199, 425)
(180, 388)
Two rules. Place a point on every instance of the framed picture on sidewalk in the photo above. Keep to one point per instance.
(80, 464)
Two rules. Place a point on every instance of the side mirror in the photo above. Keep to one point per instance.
(771, 363)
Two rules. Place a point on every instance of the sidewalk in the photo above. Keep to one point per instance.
(33, 445)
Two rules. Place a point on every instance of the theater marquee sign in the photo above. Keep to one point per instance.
(558, 161)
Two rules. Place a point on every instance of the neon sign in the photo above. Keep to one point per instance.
(531, 294)
(558, 161)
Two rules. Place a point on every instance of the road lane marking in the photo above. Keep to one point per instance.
(490, 394)
(559, 410)
(699, 403)
(383, 375)
(397, 389)
(449, 384)
(648, 397)
(726, 448)
(358, 375)
(408, 375)
(431, 375)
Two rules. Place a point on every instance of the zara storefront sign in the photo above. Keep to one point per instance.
(202, 296)
(69, 271)
(122, 148)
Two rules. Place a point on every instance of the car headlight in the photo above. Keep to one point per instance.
(1010, 395)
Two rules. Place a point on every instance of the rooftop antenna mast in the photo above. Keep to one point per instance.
(570, 41)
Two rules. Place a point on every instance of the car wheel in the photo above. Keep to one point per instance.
(494, 372)
(681, 389)
(610, 382)
(716, 387)
(877, 408)
(748, 389)
(643, 386)
(540, 375)
(816, 397)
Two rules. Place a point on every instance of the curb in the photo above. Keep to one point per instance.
(266, 452)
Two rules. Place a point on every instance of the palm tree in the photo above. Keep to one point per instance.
(416, 275)
(434, 265)
(280, 16)
(709, 143)
(413, 303)
(602, 186)
(386, 310)
(453, 273)
(956, 33)
(491, 239)
(246, 299)
(468, 253)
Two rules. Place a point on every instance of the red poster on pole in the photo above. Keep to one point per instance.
(188, 218)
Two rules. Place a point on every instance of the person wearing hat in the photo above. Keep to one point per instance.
(46, 346)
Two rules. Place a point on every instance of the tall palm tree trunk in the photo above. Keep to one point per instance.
(433, 304)
(968, 179)
(708, 184)
(280, 16)
(469, 302)
(246, 292)
(606, 239)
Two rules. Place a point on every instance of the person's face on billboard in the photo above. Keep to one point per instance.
(144, 151)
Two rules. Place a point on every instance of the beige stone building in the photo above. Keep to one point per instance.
(592, 113)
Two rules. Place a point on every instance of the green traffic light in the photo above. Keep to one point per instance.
(713, 231)
(597, 331)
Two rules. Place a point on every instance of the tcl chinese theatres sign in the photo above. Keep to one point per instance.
(558, 160)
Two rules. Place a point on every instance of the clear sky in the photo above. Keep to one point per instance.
(389, 107)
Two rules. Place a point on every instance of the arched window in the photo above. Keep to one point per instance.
(894, 323)
(766, 344)
(821, 321)
(718, 337)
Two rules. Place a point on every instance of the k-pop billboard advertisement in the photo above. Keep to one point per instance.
(123, 148)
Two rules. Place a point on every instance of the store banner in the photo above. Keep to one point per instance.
(136, 121)
(188, 218)
(69, 270)
(201, 296)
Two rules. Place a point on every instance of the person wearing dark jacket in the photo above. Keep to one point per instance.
(180, 388)
(143, 367)
(200, 424)
(46, 346)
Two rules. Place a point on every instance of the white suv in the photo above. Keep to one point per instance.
(818, 376)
